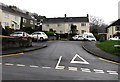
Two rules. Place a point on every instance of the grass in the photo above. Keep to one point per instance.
(108, 46)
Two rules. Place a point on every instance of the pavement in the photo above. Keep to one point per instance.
(35, 46)
(92, 49)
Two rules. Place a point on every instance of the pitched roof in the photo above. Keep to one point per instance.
(10, 10)
(116, 23)
(66, 19)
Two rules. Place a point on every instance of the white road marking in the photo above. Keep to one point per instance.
(85, 70)
(46, 67)
(57, 66)
(9, 64)
(60, 67)
(34, 66)
(20, 65)
(98, 71)
(82, 62)
(72, 68)
(0, 63)
(112, 72)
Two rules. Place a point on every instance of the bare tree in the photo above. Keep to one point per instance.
(97, 25)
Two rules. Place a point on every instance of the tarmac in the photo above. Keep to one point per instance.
(35, 46)
(89, 46)
(92, 49)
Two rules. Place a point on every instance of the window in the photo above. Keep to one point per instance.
(70, 24)
(117, 28)
(59, 25)
(31, 21)
(6, 15)
(23, 25)
(24, 20)
(61, 32)
(6, 24)
(47, 25)
(16, 18)
(82, 31)
(83, 24)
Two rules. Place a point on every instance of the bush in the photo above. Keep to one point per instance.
(7, 31)
(28, 30)
(50, 33)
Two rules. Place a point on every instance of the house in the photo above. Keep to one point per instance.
(113, 29)
(67, 24)
(14, 18)
(9, 17)
(27, 21)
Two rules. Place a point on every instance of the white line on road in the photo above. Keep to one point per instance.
(34, 66)
(46, 67)
(0, 63)
(57, 66)
(72, 68)
(98, 71)
(112, 72)
(85, 70)
(9, 64)
(20, 65)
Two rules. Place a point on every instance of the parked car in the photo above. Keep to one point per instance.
(78, 37)
(20, 34)
(39, 36)
(89, 37)
(115, 38)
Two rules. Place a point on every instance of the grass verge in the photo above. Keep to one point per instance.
(108, 46)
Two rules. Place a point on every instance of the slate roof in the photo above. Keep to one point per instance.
(10, 10)
(116, 23)
(66, 19)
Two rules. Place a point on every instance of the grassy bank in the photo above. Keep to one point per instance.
(108, 46)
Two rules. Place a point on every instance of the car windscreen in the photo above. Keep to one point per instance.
(17, 33)
(91, 36)
(36, 33)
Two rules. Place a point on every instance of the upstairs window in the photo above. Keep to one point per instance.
(47, 25)
(24, 20)
(83, 24)
(16, 18)
(117, 28)
(59, 25)
(6, 15)
(31, 21)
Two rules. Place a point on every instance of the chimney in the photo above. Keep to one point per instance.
(27, 13)
(88, 15)
(65, 15)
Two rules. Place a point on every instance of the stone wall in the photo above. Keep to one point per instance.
(11, 42)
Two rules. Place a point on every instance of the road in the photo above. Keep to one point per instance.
(61, 60)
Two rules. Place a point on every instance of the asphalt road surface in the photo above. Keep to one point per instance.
(61, 60)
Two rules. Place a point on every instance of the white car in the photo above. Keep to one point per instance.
(115, 38)
(39, 36)
(20, 34)
(78, 37)
(89, 37)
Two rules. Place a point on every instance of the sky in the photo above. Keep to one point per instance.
(103, 9)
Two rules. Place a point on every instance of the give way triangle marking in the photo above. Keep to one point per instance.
(82, 62)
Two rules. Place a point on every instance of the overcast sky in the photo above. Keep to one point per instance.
(104, 9)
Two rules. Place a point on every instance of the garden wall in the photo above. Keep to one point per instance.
(11, 42)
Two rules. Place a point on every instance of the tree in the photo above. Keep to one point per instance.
(97, 25)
